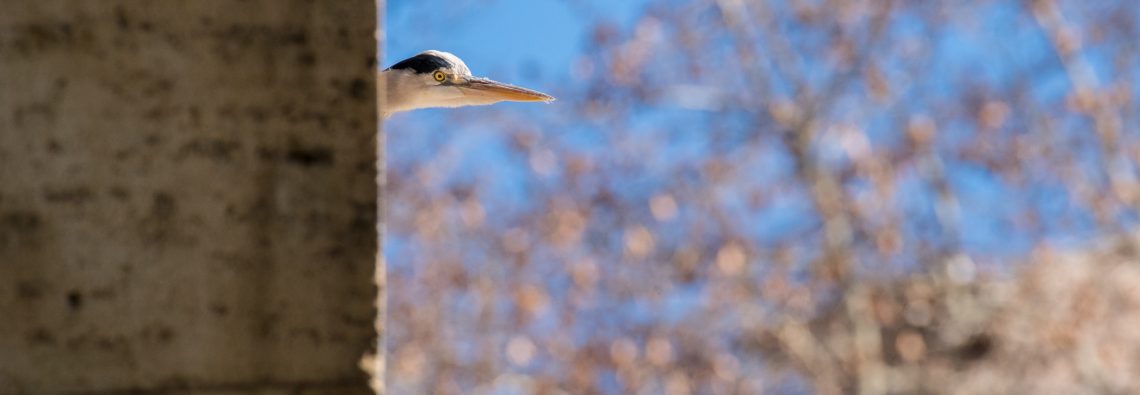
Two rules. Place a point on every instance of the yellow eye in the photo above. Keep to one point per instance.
(439, 76)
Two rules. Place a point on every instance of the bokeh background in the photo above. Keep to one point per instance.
(758, 196)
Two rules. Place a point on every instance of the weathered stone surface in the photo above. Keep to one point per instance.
(187, 196)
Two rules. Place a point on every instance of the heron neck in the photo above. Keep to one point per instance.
(398, 95)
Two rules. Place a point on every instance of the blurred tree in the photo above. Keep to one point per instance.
(808, 196)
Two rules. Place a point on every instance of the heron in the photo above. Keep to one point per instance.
(440, 79)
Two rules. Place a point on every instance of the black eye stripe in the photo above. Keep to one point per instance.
(422, 64)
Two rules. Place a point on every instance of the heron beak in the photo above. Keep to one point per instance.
(497, 91)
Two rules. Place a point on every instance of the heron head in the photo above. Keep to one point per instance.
(440, 79)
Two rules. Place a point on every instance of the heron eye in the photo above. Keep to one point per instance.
(439, 76)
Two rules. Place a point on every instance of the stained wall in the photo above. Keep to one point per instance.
(187, 196)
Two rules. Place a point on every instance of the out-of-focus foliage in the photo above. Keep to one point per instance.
(806, 196)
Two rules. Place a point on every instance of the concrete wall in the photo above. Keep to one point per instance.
(187, 196)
